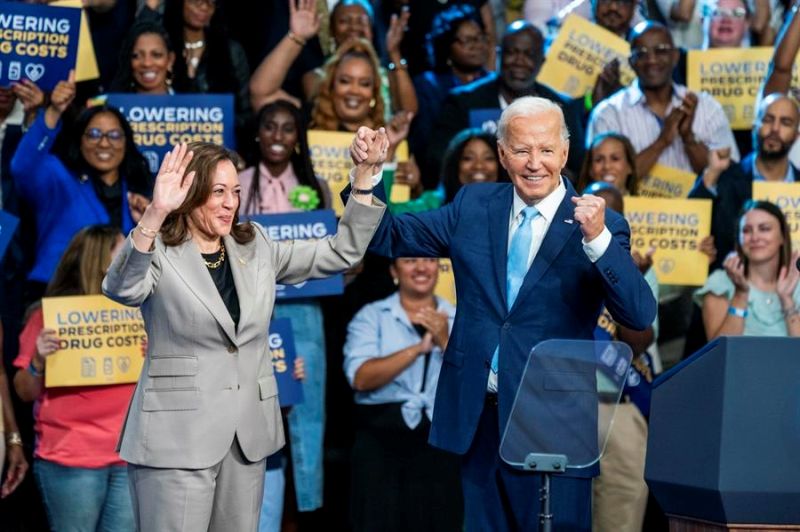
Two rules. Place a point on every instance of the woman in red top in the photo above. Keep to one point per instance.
(83, 482)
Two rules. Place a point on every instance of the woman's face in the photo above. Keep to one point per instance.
(609, 164)
(760, 236)
(103, 143)
(350, 22)
(214, 218)
(469, 49)
(197, 13)
(478, 163)
(277, 137)
(353, 88)
(416, 276)
(151, 63)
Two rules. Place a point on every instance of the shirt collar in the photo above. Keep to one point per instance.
(546, 206)
(392, 304)
(636, 94)
(788, 178)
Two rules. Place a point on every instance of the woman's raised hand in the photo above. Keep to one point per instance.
(734, 267)
(303, 18)
(787, 282)
(172, 181)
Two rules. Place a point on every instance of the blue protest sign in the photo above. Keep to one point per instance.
(485, 119)
(8, 224)
(37, 42)
(283, 354)
(311, 225)
(159, 122)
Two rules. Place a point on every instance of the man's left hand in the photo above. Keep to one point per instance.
(590, 212)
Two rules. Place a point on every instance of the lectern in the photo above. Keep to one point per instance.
(723, 450)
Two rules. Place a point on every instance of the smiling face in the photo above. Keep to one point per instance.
(534, 154)
(614, 15)
(350, 22)
(416, 276)
(477, 164)
(728, 24)
(521, 59)
(150, 63)
(97, 148)
(277, 137)
(214, 218)
(653, 58)
(610, 164)
(353, 88)
(760, 236)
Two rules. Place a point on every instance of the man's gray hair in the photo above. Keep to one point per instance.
(529, 106)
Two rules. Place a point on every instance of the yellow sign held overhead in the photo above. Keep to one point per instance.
(86, 64)
(674, 228)
(577, 57)
(101, 342)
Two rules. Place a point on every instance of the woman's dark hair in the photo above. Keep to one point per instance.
(300, 158)
(175, 229)
(81, 268)
(775, 211)
(123, 80)
(217, 55)
(443, 32)
(585, 177)
(133, 168)
(452, 159)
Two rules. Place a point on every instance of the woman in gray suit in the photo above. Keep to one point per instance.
(205, 413)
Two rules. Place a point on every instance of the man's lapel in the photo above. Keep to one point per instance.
(190, 268)
(499, 215)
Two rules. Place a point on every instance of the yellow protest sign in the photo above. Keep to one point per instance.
(667, 182)
(100, 341)
(330, 157)
(86, 64)
(733, 76)
(674, 228)
(578, 55)
(787, 197)
(446, 285)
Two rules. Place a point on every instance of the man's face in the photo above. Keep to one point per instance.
(777, 129)
(614, 15)
(534, 154)
(728, 24)
(521, 59)
(653, 57)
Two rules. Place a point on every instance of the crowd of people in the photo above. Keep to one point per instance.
(392, 73)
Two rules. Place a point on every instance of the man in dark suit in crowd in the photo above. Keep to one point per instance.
(521, 57)
(729, 184)
(532, 261)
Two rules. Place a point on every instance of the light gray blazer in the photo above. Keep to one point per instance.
(203, 381)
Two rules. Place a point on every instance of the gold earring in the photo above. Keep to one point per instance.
(372, 103)
(396, 281)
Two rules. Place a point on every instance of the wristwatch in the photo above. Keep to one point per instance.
(361, 191)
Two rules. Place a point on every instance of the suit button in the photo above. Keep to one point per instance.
(506, 326)
(238, 386)
(232, 348)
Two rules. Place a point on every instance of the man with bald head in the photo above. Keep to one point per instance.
(532, 261)
(665, 122)
(521, 57)
(729, 184)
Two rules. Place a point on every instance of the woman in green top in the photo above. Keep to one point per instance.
(756, 292)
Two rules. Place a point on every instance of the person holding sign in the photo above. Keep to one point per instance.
(666, 123)
(205, 414)
(98, 178)
(756, 293)
(532, 261)
(83, 481)
(392, 360)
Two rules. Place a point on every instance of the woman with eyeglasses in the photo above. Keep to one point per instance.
(93, 175)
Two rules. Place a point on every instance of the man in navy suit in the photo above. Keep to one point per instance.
(577, 259)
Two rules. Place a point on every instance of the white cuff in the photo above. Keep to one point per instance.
(598, 246)
(375, 178)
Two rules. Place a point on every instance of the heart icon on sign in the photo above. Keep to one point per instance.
(123, 363)
(34, 71)
(666, 265)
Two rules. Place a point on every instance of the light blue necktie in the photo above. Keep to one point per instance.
(517, 265)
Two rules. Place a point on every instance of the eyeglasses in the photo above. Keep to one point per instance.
(736, 12)
(660, 52)
(471, 40)
(95, 135)
(208, 3)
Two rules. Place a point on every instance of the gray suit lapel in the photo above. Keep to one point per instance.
(192, 270)
(245, 271)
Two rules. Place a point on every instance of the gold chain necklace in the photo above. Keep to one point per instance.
(217, 263)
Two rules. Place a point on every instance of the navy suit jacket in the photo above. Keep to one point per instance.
(560, 298)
